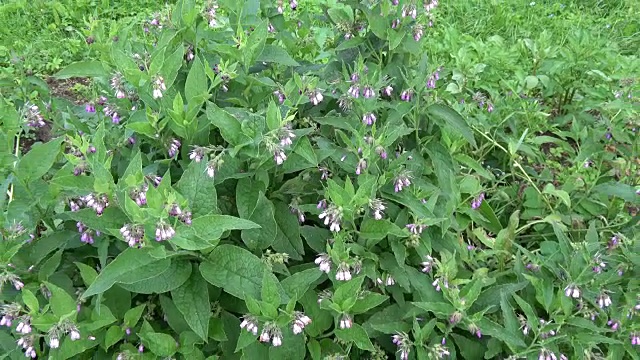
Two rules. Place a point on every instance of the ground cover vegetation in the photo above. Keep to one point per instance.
(319, 179)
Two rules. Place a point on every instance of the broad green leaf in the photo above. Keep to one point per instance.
(211, 227)
(297, 284)
(87, 273)
(357, 335)
(347, 292)
(373, 229)
(199, 189)
(29, 299)
(146, 272)
(276, 54)
(617, 189)
(50, 265)
(61, 302)
(512, 340)
(292, 348)
(113, 335)
(438, 308)
(368, 302)
(236, 270)
(172, 65)
(125, 264)
(253, 205)
(132, 316)
(288, 238)
(230, 127)
(38, 160)
(160, 344)
(173, 277)
(453, 120)
(192, 300)
(269, 292)
(196, 85)
(83, 69)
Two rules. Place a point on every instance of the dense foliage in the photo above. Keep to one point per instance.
(326, 180)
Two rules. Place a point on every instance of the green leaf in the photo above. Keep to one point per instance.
(230, 127)
(368, 302)
(373, 229)
(61, 302)
(87, 273)
(113, 335)
(453, 120)
(172, 65)
(469, 349)
(236, 270)
(132, 316)
(38, 160)
(211, 227)
(617, 189)
(50, 265)
(254, 206)
(245, 339)
(288, 238)
(512, 340)
(196, 88)
(348, 291)
(269, 292)
(125, 264)
(173, 277)
(297, 284)
(305, 149)
(276, 54)
(292, 348)
(357, 335)
(438, 308)
(198, 189)
(30, 300)
(83, 69)
(192, 300)
(159, 343)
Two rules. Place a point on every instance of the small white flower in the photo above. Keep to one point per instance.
(74, 335)
(277, 340)
(346, 322)
(54, 343)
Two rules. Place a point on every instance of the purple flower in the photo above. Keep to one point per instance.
(368, 119)
(475, 204)
(174, 147)
(90, 108)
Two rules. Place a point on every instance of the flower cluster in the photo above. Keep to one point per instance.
(133, 234)
(402, 180)
(332, 216)
(164, 231)
(324, 262)
(377, 208)
(271, 332)
(174, 147)
(117, 85)
(184, 216)
(211, 12)
(404, 344)
(98, 202)
(158, 87)
(86, 234)
(33, 118)
(299, 322)
(139, 195)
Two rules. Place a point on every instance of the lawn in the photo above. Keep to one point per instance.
(319, 179)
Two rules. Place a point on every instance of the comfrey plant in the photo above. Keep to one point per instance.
(238, 186)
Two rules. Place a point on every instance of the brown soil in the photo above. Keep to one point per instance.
(64, 88)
